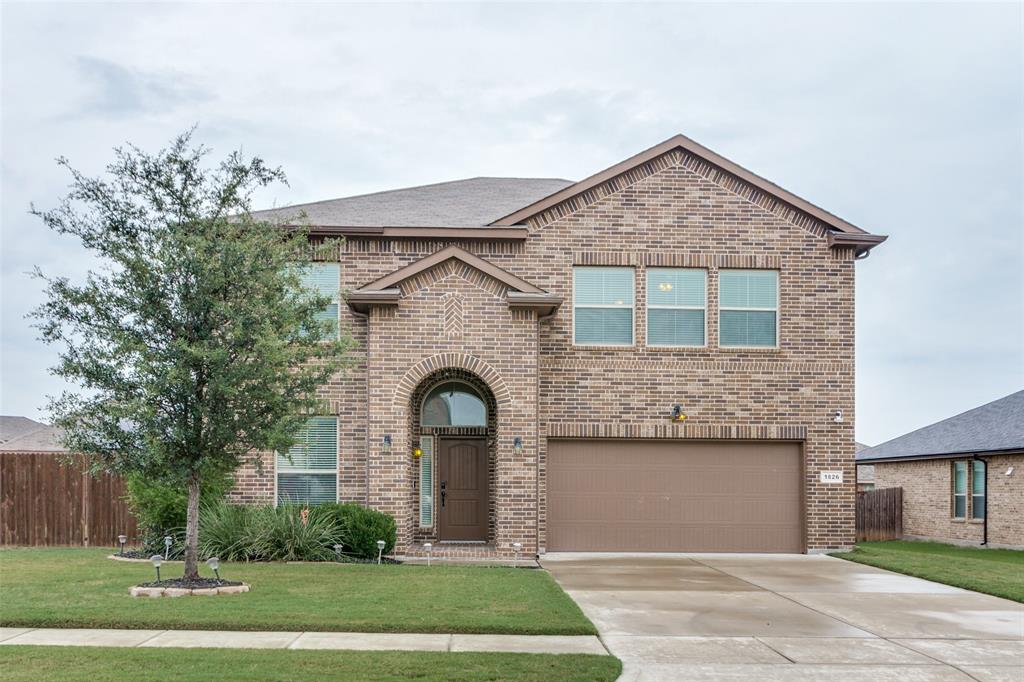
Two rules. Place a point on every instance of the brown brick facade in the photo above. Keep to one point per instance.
(927, 500)
(673, 211)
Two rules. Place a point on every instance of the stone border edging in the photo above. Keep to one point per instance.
(146, 561)
(157, 592)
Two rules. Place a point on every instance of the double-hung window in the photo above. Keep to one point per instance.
(960, 489)
(602, 306)
(748, 308)
(308, 472)
(977, 489)
(324, 278)
(676, 299)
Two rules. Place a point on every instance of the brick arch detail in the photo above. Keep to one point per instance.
(418, 372)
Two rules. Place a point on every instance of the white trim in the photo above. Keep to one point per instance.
(433, 480)
(473, 390)
(776, 309)
(647, 318)
(631, 307)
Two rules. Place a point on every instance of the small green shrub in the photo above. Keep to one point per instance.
(361, 527)
(160, 508)
(266, 533)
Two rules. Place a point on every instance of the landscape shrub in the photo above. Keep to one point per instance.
(160, 509)
(266, 533)
(361, 527)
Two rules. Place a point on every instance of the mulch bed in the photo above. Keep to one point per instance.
(133, 554)
(200, 584)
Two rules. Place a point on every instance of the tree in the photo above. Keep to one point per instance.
(194, 346)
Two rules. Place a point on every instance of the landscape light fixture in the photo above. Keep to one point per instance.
(214, 564)
(517, 445)
(517, 547)
(337, 552)
(157, 560)
(386, 447)
(121, 539)
(167, 546)
(429, 546)
(380, 550)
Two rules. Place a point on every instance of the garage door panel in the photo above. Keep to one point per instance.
(671, 496)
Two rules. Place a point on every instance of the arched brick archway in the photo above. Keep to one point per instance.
(488, 432)
(464, 361)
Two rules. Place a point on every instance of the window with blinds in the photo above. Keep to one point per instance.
(324, 278)
(676, 302)
(426, 482)
(748, 302)
(602, 306)
(959, 490)
(308, 472)
(977, 489)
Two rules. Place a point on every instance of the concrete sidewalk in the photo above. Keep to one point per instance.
(356, 641)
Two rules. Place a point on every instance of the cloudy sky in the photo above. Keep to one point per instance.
(904, 119)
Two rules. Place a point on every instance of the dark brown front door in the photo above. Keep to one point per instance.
(463, 489)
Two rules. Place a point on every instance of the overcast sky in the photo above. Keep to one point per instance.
(904, 119)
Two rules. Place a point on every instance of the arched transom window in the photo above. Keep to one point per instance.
(454, 404)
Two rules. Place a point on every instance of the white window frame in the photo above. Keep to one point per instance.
(971, 495)
(631, 307)
(967, 490)
(776, 309)
(680, 307)
(318, 472)
(336, 294)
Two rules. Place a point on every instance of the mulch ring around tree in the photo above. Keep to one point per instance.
(196, 584)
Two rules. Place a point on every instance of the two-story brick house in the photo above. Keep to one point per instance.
(659, 357)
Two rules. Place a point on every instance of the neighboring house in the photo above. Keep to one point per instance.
(865, 472)
(962, 478)
(530, 348)
(21, 434)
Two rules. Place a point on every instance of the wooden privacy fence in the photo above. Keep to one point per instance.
(880, 514)
(44, 501)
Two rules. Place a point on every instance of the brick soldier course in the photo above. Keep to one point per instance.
(493, 307)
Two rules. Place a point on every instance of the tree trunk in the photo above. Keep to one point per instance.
(192, 530)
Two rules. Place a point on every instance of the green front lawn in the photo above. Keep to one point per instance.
(92, 664)
(993, 571)
(82, 588)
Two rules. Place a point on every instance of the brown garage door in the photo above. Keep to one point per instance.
(672, 496)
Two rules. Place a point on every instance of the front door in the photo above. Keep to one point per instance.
(463, 489)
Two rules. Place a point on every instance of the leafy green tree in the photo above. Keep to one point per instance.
(194, 345)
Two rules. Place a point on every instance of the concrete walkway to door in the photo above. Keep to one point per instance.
(788, 617)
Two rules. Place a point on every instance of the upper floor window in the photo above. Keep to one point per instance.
(977, 489)
(308, 472)
(602, 306)
(676, 299)
(454, 404)
(324, 278)
(960, 490)
(748, 308)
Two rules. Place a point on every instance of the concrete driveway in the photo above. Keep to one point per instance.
(788, 617)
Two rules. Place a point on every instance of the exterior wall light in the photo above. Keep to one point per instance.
(380, 550)
(429, 546)
(837, 417)
(386, 447)
(1009, 472)
(416, 452)
(677, 413)
(167, 546)
(517, 445)
(121, 539)
(157, 560)
(214, 564)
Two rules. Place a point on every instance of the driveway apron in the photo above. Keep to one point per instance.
(788, 617)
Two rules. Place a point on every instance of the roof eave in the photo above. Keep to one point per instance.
(685, 143)
(861, 243)
(362, 300)
(942, 455)
(433, 233)
(545, 305)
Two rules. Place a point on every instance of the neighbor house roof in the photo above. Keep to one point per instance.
(993, 427)
(475, 202)
(26, 435)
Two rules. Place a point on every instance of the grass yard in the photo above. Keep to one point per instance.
(93, 664)
(81, 588)
(993, 571)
